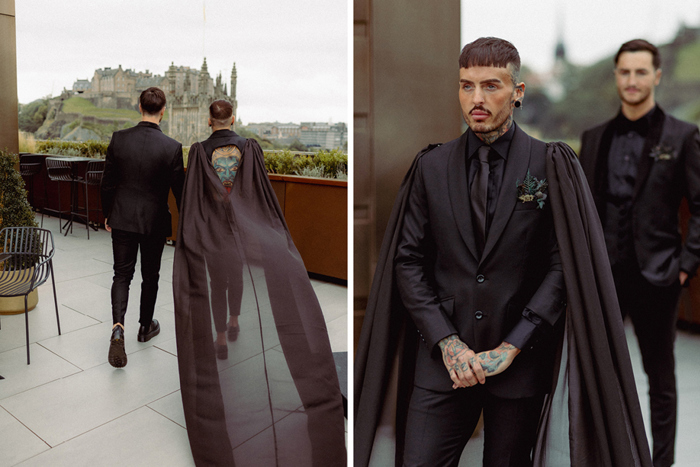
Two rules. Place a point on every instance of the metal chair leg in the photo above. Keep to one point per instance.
(60, 213)
(26, 325)
(55, 300)
(87, 211)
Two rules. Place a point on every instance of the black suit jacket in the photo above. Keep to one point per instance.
(669, 169)
(141, 167)
(448, 288)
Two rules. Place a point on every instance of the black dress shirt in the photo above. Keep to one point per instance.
(626, 149)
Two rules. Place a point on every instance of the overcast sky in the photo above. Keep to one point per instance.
(591, 29)
(291, 55)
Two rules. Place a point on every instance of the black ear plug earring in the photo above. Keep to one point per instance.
(517, 104)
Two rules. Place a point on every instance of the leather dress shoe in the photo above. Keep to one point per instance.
(146, 333)
(117, 353)
(221, 351)
(232, 333)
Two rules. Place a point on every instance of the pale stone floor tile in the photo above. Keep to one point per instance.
(333, 299)
(142, 438)
(88, 348)
(338, 334)
(169, 345)
(19, 377)
(42, 325)
(17, 443)
(170, 407)
(94, 397)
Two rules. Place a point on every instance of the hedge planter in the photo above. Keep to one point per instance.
(316, 211)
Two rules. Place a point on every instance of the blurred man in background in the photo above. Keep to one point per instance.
(639, 166)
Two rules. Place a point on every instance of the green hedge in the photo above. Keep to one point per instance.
(323, 164)
(90, 148)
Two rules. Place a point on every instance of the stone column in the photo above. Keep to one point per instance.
(9, 124)
(406, 79)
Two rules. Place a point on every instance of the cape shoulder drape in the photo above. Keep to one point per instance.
(592, 416)
(275, 399)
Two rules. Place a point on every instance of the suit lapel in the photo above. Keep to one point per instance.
(516, 168)
(656, 128)
(458, 189)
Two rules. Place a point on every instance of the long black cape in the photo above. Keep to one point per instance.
(276, 400)
(592, 415)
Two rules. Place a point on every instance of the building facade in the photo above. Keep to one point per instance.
(189, 93)
(324, 135)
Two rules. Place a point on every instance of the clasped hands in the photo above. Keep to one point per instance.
(467, 368)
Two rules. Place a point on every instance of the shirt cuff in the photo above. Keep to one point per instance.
(523, 335)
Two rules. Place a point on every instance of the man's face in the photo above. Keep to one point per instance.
(486, 94)
(636, 77)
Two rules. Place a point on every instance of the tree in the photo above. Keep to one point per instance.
(297, 146)
(32, 115)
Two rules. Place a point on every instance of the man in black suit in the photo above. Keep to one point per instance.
(639, 166)
(478, 270)
(141, 167)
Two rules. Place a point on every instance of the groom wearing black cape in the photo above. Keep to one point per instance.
(269, 394)
(493, 292)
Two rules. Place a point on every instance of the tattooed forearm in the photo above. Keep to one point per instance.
(493, 361)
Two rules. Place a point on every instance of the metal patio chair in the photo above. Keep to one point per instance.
(28, 264)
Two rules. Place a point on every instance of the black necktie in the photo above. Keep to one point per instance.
(479, 195)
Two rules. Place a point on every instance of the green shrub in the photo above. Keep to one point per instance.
(15, 210)
(324, 164)
(90, 148)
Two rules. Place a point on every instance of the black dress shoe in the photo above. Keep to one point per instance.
(232, 333)
(146, 333)
(117, 354)
(221, 351)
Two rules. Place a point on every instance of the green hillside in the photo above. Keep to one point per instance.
(687, 68)
(83, 106)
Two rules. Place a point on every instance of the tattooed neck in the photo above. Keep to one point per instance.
(493, 135)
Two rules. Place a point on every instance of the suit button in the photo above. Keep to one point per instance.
(478, 315)
(480, 278)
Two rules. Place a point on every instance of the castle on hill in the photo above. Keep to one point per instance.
(189, 93)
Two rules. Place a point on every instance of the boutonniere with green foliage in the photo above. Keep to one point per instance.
(532, 189)
(663, 153)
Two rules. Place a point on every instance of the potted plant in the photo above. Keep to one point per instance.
(15, 211)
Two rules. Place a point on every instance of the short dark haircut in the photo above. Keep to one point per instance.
(221, 112)
(152, 101)
(491, 51)
(640, 45)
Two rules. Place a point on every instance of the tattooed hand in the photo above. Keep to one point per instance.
(496, 361)
(464, 369)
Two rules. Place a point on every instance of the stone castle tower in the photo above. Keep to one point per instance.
(189, 94)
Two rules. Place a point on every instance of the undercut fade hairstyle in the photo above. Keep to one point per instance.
(640, 45)
(491, 51)
(220, 113)
(152, 100)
